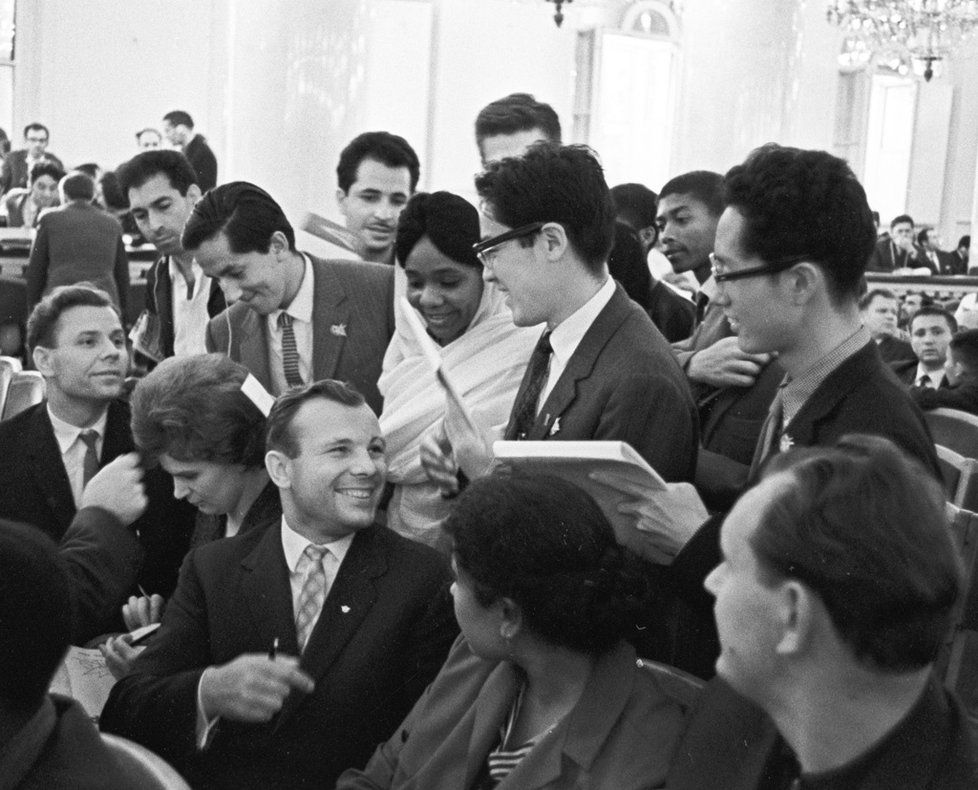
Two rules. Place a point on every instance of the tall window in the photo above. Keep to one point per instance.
(889, 141)
(7, 8)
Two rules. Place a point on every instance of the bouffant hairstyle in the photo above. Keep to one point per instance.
(192, 409)
(451, 222)
(544, 543)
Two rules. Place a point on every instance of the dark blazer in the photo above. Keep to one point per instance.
(963, 397)
(674, 315)
(621, 733)
(159, 300)
(74, 243)
(14, 172)
(621, 383)
(202, 158)
(886, 257)
(892, 349)
(384, 632)
(36, 491)
(951, 263)
(731, 744)
(353, 322)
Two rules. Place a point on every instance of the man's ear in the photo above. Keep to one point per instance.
(804, 279)
(279, 467)
(278, 244)
(511, 618)
(193, 193)
(42, 361)
(341, 201)
(798, 618)
(555, 239)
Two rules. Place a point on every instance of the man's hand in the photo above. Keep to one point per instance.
(118, 488)
(724, 365)
(664, 520)
(142, 610)
(119, 654)
(252, 687)
(438, 463)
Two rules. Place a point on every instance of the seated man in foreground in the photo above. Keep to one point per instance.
(829, 633)
(287, 654)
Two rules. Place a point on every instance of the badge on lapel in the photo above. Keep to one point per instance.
(786, 443)
(345, 609)
(338, 329)
(555, 428)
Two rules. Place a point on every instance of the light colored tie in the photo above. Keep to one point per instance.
(90, 465)
(313, 592)
(290, 352)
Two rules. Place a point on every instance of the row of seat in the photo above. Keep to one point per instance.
(19, 389)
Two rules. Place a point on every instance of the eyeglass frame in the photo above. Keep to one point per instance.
(481, 248)
(755, 271)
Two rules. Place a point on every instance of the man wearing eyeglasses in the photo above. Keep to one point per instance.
(601, 369)
(791, 248)
(17, 164)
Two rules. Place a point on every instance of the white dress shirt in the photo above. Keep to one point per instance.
(190, 316)
(301, 311)
(73, 449)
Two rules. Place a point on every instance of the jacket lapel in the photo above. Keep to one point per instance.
(48, 469)
(118, 435)
(253, 346)
(491, 708)
(331, 321)
(267, 593)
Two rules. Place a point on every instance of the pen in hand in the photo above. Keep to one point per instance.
(274, 650)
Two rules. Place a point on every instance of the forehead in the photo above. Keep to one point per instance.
(175, 466)
(730, 231)
(38, 134)
(45, 181)
(86, 318)
(883, 303)
(902, 227)
(673, 202)
(488, 226)
(501, 146)
(152, 189)
(747, 514)
(319, 421)
(427, 259)
(929, 322)
(374, 175)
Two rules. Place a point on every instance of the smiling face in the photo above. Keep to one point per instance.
(259, 279)
(212, 487)
(521, 273)
(334, 483)
(373, 203)
(89, 360)
(161, 212)
(44, 191)
(446, 293)
(930, 336)
(687, 230)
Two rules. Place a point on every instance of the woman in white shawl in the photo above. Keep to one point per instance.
(484, 353)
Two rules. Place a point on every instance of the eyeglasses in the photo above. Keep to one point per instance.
(721, 276)
(483, 248)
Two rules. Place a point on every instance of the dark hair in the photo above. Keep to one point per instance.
(628, 265)
(451, 222)
(39, 127)
(112, 194)
(45, 168)
(277, 433)
(35, 615)
(703, 185)
(179, 118)
(389, 149)
(965, 347)
(247, 215)
(635, 204)
(925, 310)
(900, 218)
(798, 202)
(545, 543)
(90, 169)
(867, 298)
(863, 526)
(965, 241)
(144, 166)
(148, 130)
(876, 218)
(78, 186)
(43, 320)
(192, 408)
(562, 184)
(923, 236)
(518, 112)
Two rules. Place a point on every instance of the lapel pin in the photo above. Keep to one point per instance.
(555, 427)
(338, 329)
(786, 443)
(345, 609)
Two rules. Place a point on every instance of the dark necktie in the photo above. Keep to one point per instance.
(770, 439)
(290, 352)
(925, 381)
(702, 302)
(90, 464)
(525, 408)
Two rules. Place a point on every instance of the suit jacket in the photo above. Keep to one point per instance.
(14, 172)
(159, 300)
(731, 744)
(950, 263)
(36, 491)
(674, 315)
(353, 321)
(78, 242)
(621, 733)
(622, 384)
(892, 350)
(963, 397)
(384, 631)
(202, 158)
(886, 257)
(906, 371)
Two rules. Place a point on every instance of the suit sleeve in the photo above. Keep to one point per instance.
(156, 703)
(432, 638)
(962, 398)
(121, 275)
(37, 267)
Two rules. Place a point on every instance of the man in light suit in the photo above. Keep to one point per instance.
(295, 318)
(287, 654)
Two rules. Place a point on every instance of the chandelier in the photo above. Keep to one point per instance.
(922, 31)
(559, 15)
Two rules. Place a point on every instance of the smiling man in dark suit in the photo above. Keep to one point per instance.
(360, 617)
(295, 318)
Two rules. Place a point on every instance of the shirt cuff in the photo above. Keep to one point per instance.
(205, 728)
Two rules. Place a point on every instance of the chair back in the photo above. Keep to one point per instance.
(959, 659)
(26, 388)
(957, 430)
(679, 685)
(7, 372)
(146, 769)
(960, 478)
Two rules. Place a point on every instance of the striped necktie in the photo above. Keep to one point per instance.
(89, 438)
(313, 592)
(290, 352)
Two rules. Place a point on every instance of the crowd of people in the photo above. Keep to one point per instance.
(299, 486)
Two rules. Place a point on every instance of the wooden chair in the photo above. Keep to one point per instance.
(26, 388)
(676, 683)
(145, 768)
(954, 429)
(960, 478)
(959, 659)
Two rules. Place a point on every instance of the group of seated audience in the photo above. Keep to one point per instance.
(300, 487)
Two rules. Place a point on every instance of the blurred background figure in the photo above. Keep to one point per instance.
(21, 208)
(148, 138)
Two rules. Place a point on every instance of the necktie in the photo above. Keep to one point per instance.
(90, 464)
(313, 592)
(925, 381)
(525, 408)
(290, 352)
(770, 433)
(702, 301)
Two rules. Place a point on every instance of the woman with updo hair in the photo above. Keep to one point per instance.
(541, 689)
(481, 349)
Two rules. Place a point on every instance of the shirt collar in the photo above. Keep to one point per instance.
(301, 306)
(293, 544)
(175, 271)
(567, 335)
(67, 434)
(709, 288)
